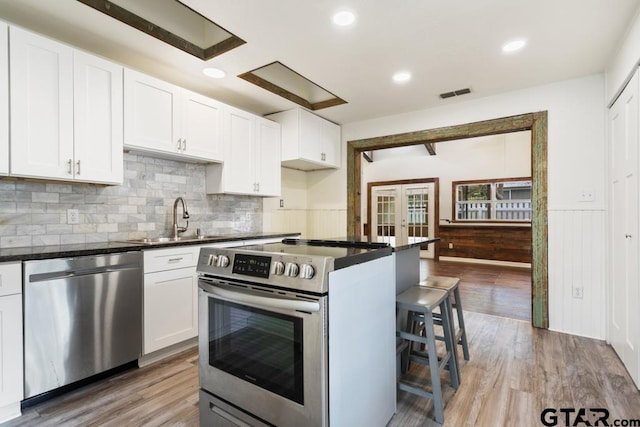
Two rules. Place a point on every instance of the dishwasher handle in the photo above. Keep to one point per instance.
(65, 274)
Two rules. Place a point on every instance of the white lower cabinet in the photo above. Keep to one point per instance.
(11, 363)
(170, 308)
(170, 297)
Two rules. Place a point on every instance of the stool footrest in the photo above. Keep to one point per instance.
(415, 390)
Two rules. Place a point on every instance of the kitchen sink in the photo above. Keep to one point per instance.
(165, 240)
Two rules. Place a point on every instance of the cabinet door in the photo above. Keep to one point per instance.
(41, 106)
(11, 368)
(311, 131)
(170, 308)
(331, 143)
(98, 119)
(239, 156)
(201, 127)
(4, 99)
(151, 113)
(268, 172)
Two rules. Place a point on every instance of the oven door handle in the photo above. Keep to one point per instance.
(243, 298)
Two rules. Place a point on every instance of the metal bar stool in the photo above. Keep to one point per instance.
(450, 285)
(418, 300)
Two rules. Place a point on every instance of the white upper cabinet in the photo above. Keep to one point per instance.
(66, 112)
(252, 156)
(168, 121)
(4, 99)
(309, 142)
(267, 157)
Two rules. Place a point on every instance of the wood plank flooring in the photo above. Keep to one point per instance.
(514, 373)
(489, 289)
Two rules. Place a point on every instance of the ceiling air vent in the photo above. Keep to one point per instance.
(455, 93)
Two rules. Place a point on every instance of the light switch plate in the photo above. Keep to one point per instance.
(73, 216)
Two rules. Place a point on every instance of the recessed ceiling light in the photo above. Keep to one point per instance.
(402, 77)
(514, 45)
(344, 18)
(214, 73)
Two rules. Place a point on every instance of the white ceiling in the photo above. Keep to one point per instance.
(447, 45)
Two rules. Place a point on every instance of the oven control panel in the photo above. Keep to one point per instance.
(295, 271)
(251, 265)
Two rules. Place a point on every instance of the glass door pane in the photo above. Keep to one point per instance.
(384, 215)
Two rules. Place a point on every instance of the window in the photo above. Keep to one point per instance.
(500, 200)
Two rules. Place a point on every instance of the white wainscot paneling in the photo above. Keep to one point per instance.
(577, 259)
(285, 220)
(326, 223)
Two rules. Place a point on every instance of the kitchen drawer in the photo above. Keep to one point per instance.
(170, 259)
(10, 278)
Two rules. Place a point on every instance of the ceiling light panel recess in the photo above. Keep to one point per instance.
(171, 22)
(514, 46)
(285, 82)
(344, 18)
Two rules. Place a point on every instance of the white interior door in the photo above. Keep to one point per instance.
(402, 213)
(624, 297)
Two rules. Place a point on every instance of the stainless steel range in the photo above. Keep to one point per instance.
(281, 331)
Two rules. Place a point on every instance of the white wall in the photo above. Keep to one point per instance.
(624, 61)
(488, 157)
(576, 161)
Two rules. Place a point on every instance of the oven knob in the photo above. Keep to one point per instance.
(277, 268)
(213, 259)
(307, 271)
(291, 269)
(222, 261)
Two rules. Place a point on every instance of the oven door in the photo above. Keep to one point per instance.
(264, 351)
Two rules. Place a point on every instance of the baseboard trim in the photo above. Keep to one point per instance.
(487, 261)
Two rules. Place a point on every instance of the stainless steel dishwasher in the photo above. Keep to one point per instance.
(82, 316)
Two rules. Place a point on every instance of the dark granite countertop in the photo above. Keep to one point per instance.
(419, 241)
(64, 251)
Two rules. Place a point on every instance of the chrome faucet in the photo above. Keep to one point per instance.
(185, 215)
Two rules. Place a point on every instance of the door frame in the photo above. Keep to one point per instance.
(436, 196)
(537, 123)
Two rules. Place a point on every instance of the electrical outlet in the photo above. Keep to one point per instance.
(450, 245)
(73, 216)
(586, 196)
(577, 292)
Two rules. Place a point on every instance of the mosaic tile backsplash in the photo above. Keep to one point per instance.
(35, 213)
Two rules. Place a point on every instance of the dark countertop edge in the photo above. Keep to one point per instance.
(29, 253)
(365, 256)
(427, 241)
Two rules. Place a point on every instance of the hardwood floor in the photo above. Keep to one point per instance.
(488, 289)
(514, 373)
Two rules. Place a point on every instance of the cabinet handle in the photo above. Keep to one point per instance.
(70, 167)
(78, 167)
(627, 236)
(179, 144)
(258, 187)
(184, 144)
(175, 259)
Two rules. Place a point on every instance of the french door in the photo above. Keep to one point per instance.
(401, 213)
